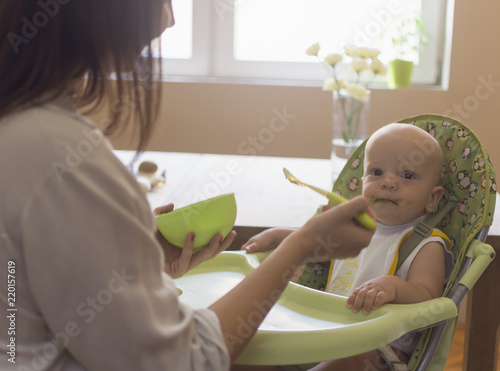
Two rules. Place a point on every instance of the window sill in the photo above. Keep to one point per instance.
(279, 82)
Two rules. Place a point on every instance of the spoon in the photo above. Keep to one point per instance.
(363, 218)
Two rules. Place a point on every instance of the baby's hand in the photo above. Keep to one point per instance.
(372, 294)
(267, 240)
(263, 241)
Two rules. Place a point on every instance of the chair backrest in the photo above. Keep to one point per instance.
(468, 178)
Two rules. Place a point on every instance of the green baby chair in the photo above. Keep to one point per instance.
(465, 214)
(309, 325)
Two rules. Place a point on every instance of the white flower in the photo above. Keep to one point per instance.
(362, 52)
(351, 51)
(331, 84)
(372, 53)
(313, 49)
(378, 68)
(358, 92)
(333, 59)
(359, 65)
(359, 60)
(350, 96)
(368, 53)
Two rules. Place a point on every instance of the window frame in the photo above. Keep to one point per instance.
(213, 46)
(199, 63)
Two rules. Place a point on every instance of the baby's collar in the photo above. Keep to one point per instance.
(385, 230)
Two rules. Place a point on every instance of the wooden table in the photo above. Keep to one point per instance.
(266, 199)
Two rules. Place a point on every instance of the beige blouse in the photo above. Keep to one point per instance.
(90, 293)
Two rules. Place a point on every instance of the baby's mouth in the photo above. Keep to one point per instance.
(386, 201)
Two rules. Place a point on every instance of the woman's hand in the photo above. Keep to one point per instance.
(334, 233)
(178, 261)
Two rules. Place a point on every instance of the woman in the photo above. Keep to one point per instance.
(76, 233)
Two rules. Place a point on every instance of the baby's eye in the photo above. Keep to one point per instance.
(408, 175)
(376, 172)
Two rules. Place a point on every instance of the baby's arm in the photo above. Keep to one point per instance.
(270, 238)
(425, 282)
(267, 240)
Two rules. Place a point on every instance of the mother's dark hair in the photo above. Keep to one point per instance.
(45, 45)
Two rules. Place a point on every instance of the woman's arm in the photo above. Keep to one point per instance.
(241, 311)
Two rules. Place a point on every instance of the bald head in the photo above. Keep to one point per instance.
(414, 147)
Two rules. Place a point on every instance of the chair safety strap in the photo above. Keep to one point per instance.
(421, 231)
(394, 265)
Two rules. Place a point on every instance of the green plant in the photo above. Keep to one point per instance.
(407, 36)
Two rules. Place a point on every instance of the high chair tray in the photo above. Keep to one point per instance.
(305, 325)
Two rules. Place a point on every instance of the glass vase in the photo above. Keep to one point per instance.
(350, 126)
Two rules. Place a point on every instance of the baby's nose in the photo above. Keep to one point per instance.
(389, 182)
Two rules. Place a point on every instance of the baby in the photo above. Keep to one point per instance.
(402, 172)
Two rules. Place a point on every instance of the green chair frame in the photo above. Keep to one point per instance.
(320, 327)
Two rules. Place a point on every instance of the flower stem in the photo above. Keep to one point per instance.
(346, 135)
(350, 111)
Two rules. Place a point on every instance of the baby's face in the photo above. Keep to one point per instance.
(401, 172)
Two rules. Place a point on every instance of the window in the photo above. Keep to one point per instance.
(266, 39)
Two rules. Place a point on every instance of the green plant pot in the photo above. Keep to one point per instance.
(399, 73)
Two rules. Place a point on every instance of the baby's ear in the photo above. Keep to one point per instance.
(436, 194)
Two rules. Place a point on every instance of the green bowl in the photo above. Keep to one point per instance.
(205, 219)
